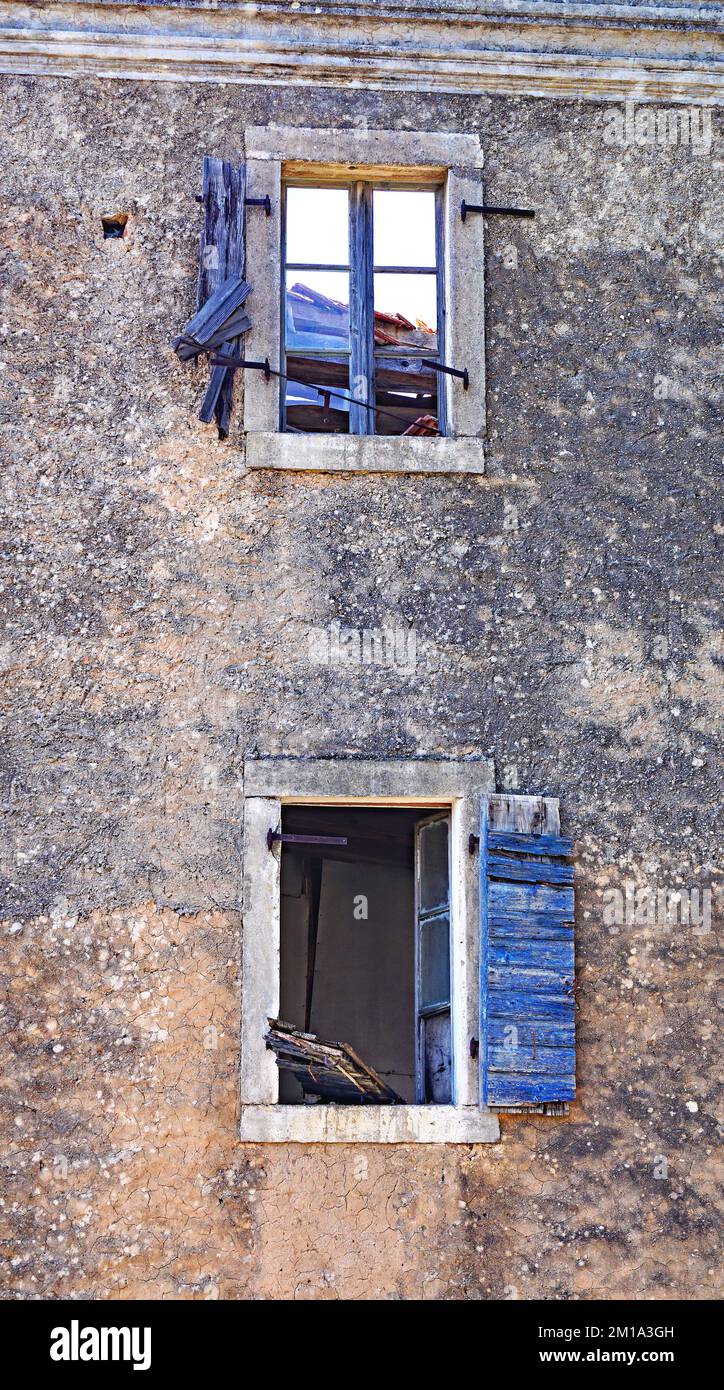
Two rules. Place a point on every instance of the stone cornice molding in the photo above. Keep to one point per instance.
(665, 52)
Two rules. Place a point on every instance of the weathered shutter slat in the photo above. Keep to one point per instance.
(531, 1036)
(221, 319)
(520, 843)
(539, 925)
(517, 898)
(222, 257)
(530, 1091)
(539, 1060)
(517, 954)
(525, 871)
(218, 309)
(527, 1027)
(509, 1006)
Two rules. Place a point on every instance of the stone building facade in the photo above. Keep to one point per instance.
(162, 584)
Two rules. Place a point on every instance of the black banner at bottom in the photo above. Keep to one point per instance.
(88, 1340)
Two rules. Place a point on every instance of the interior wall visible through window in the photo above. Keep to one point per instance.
(365, 945)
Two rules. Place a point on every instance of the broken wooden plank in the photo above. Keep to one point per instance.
(514, 870)
(315, 419)
(187, 349)
(410, 375)
(423, 425)
(331, 1071)
(221, 310)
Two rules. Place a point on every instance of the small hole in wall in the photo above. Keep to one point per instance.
(114, 225)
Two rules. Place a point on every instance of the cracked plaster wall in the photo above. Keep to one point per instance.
(157, 600)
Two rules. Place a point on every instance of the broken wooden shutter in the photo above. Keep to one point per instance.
(527, 1023)
(432, 957)
(222, 256)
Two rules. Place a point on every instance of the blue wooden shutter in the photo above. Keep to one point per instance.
(222, 256)
(527, 1026)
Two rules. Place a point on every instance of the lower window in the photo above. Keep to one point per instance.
(365, 1007)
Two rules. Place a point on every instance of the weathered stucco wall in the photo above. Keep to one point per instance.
(157, 604)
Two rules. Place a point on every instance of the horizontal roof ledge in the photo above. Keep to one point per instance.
(660, 52)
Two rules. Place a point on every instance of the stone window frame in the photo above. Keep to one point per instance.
(275, 152)
(271, 783)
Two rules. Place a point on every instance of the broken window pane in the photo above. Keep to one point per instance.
(435, 961)
(437, 1057)
(316, 400)
(317, 309)
(404, 227)
(317, 229)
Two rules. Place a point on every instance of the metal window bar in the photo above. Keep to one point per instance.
(268, 371)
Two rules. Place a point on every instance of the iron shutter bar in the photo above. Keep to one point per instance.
(233, 362)
(485, 208)
(450, 371)
(273, 836)
(264, 203)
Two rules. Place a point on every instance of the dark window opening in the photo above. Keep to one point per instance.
(114, 225)
(365, 946)
(363, 304)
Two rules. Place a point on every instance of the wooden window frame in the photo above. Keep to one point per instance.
(422, 916)
(453, 161)
(363, 355)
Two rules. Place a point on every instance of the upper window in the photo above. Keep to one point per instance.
(363, 304)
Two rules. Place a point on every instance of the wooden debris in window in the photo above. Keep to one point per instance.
(330, 1071)
(425, 424)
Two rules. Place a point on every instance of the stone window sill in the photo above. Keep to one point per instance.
(343, 453)
(368, 1124)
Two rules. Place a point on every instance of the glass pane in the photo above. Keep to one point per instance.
(406, 310)
(437, 1053)
(317, 309)
(435, 961)
(404, 228)
(317, 226)
(405, 396)
(434, 882)
(311, 403)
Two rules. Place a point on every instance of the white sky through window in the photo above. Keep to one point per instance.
(317, 222)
